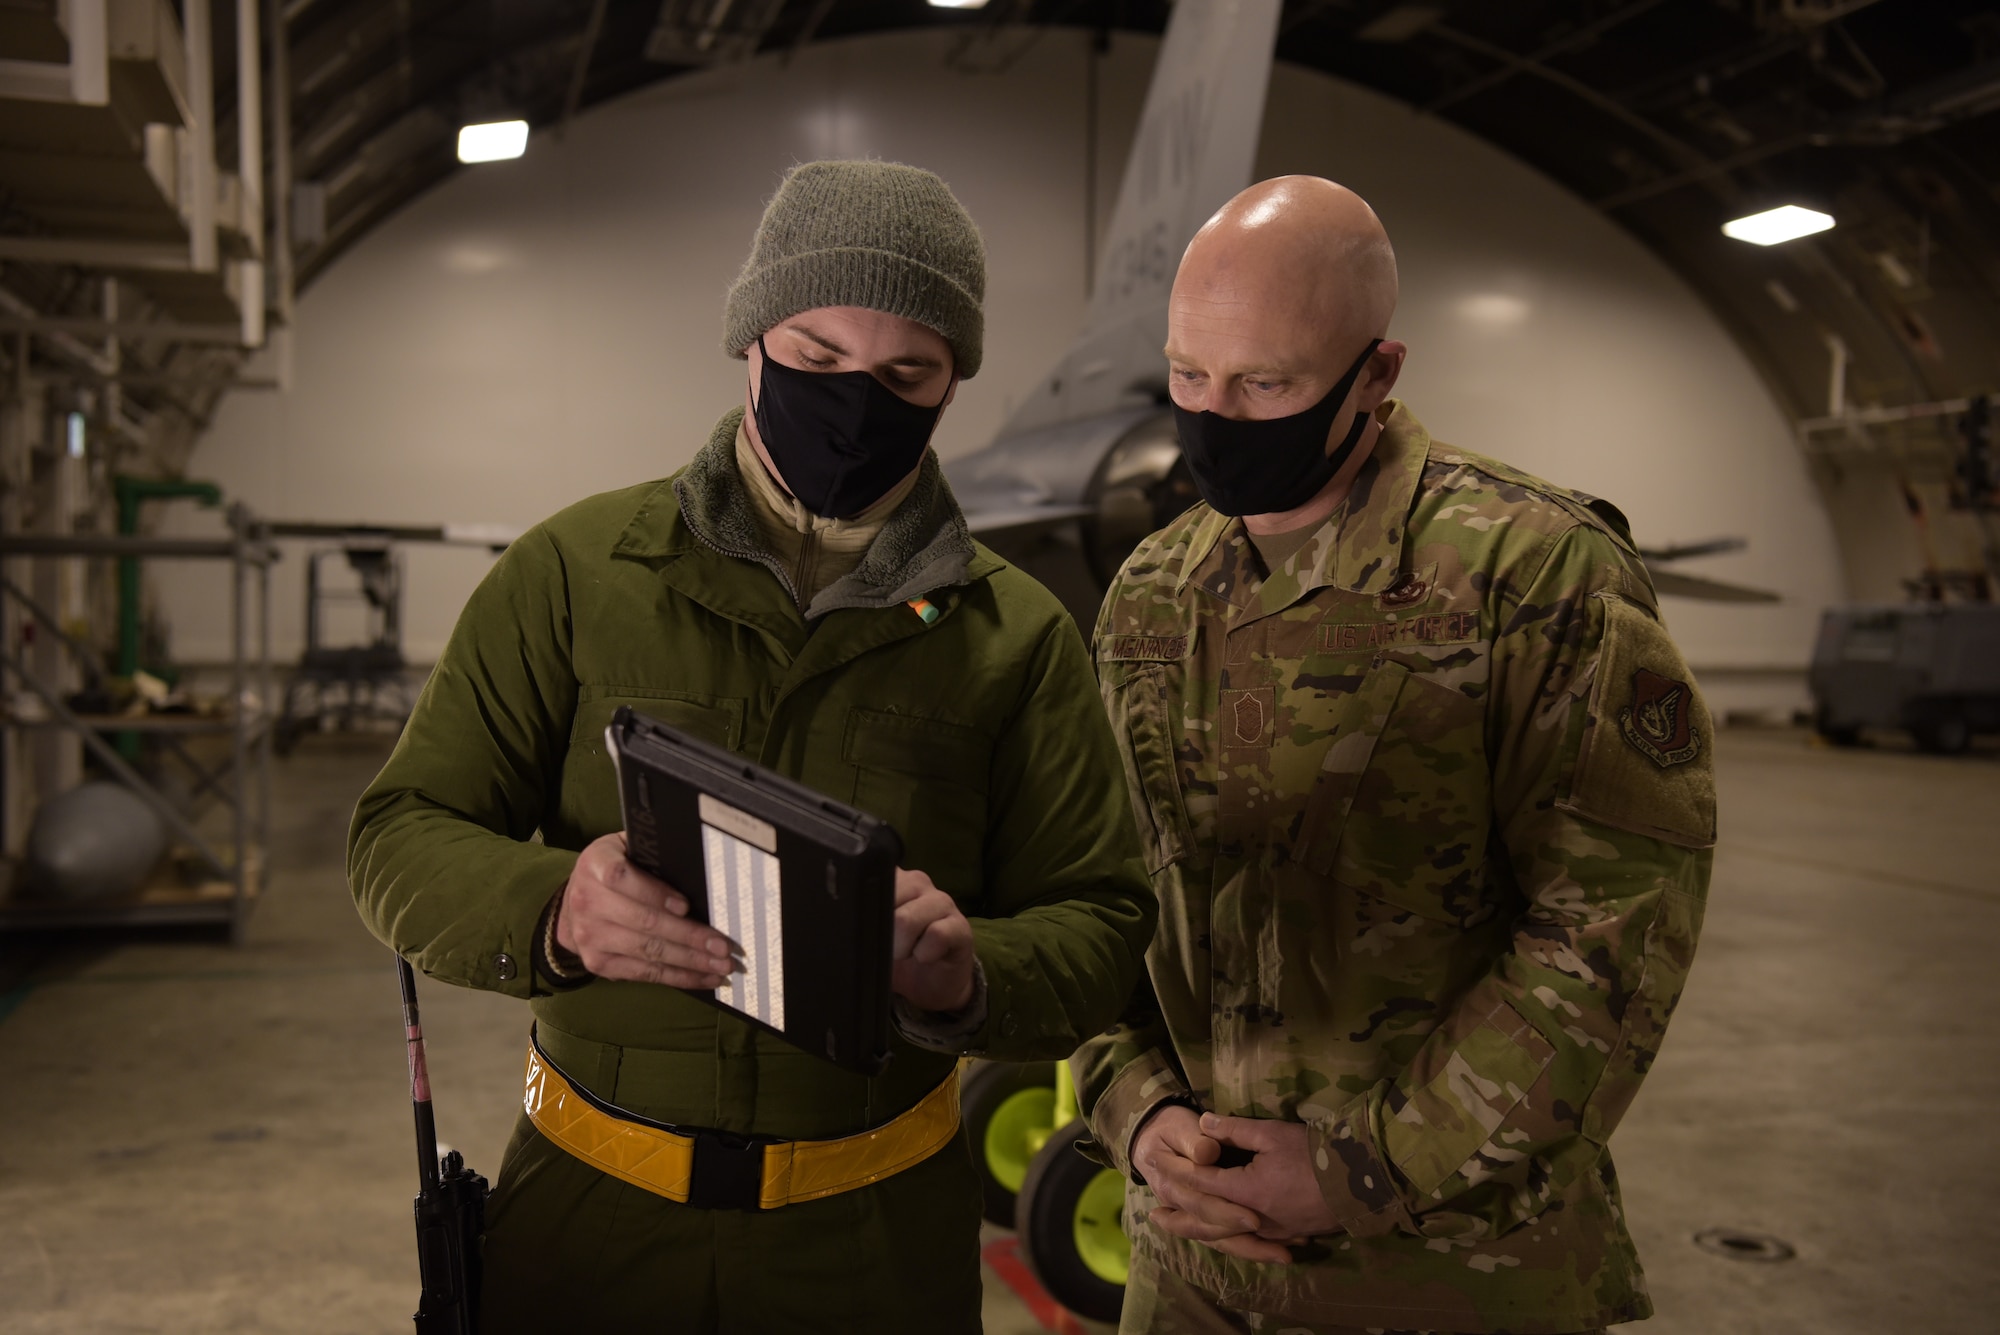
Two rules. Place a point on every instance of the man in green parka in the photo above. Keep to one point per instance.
(804, 593)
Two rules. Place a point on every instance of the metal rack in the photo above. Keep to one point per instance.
(243, 784)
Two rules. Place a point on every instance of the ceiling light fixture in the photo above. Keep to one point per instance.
(1787, 222)
(495, 141)
(958, 4)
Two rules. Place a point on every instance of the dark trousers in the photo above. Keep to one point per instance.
(570, 1249)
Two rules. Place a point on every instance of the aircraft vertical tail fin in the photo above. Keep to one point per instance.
(1195, 147)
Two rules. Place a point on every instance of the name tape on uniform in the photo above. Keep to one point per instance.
(1143, 648)
(1439, 628)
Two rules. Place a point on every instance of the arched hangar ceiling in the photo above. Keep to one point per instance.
(1671, 115)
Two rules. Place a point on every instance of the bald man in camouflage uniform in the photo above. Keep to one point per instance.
(1427, 800)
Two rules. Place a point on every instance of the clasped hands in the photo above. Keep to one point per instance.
(625, 924)
(1256, 1212)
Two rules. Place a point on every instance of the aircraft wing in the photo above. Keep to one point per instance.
(1680, 551)
(1040, 477)
(1674, 584)
(1678, 585)
(1001, 516)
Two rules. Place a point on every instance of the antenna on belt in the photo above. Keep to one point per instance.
(451, 1200)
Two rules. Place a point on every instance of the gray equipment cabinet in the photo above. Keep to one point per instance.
(1929, 669)
(228, 870)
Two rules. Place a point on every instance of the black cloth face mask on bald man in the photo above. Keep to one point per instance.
(1274, 465)
(840, 439)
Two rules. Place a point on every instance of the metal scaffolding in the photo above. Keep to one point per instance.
(233, 868)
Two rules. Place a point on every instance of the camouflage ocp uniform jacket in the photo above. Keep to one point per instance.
(1427, 812)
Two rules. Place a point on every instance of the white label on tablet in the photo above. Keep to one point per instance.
(739, 823)
(745, 905)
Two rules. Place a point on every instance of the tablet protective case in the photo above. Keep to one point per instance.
(805, 885)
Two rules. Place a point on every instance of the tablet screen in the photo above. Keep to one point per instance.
(746, 904)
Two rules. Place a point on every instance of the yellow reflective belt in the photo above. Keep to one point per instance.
(662, 1161)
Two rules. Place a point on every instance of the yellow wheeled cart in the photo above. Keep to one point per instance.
(1067, 1210)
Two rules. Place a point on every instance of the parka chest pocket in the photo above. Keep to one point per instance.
(1400, 810)
(1139, 699)
(927, 777)
(590, 786)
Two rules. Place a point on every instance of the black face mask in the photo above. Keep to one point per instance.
(1278, 464)
(840, 439)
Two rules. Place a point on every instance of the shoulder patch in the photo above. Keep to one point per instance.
(1659, 718)
(1644, 761)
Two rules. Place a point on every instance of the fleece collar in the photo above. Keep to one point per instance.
(924, 546)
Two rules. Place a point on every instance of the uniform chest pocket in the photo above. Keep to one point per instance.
(928, 778)
(1401, 808)
(1137, 699)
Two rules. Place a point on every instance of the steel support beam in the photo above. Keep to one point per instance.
(276, 25)
(1912, 412)
(250, 166)
(85, 81)
(138, 331)
(1583, 36)
(202, 249)
(191, 380)
(97, 253)
(68, 344)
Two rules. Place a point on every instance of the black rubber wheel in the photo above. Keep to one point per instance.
(1947, 736)
(1067, 1202)
(1023, 1095)
(1836, 734)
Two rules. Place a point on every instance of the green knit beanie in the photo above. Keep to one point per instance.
(873, 234)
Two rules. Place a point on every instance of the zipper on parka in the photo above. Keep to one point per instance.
(807, 566)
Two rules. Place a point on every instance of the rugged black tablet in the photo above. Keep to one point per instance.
(804, 884)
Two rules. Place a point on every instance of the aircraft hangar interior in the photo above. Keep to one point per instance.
(1065, 665)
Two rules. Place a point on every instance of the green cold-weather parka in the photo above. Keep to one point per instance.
(980, 737)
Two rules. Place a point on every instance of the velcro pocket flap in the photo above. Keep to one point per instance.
(1461, 1097)
(1645, 761)
(912, 744)
(1356, 729)
(715, 720)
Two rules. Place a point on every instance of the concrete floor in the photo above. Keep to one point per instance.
(201, 1139)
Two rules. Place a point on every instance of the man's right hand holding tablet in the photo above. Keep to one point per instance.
(623, 923)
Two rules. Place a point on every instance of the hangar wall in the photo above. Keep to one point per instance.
(534, 331)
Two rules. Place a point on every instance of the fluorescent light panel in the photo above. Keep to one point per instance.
(495, 141)
(958, 4)
(1787, 222)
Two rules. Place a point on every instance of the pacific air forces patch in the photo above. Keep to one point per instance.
(1660, 719)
